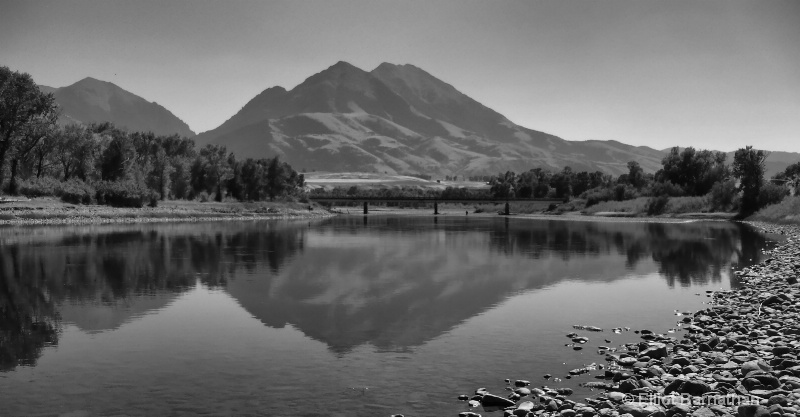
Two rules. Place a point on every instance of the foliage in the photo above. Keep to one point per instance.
(771, 194)
(76, 191)
(790, 177)
(125, 193)
(21, 103)
(688, 204)
(39, 187)
(656, 205)
(694, 171)
(723, 195)
(503, 185)
(787, 211)
(748, 168)
(666, 188)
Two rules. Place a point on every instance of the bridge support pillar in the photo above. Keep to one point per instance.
(507, 210)
(366, 208)
(435, 207)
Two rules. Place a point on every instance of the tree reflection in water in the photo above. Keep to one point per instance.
(391, 282)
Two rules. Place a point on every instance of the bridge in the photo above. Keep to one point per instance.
(434, 200)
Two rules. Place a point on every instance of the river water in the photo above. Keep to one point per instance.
(347, 316)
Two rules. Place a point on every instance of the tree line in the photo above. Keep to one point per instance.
(689, 172)
(105, 164)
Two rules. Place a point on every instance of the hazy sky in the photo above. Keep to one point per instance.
(706, 73)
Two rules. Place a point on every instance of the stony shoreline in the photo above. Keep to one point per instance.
(738, 357)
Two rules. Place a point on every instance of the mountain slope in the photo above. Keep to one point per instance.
(90, 100)
(401, 119)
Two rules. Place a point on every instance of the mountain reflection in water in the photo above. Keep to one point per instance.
(394, 283)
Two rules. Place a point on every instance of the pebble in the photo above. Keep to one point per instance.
(745, 344)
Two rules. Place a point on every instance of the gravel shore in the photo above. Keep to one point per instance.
(738, 357)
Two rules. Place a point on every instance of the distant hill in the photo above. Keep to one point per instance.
(90, 100)
(401, 119)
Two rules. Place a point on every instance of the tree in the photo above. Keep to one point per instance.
(76, 152)
(21, 102)
(748, 168)
(502, 186)
(30, 136)
(216, 166)
(694, 171)
(635, 174)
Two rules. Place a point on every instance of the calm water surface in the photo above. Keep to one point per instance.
(348, 316)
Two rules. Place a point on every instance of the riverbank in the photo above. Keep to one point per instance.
(738, 357)
(53, 211)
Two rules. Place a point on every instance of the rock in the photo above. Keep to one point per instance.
(679, 409)
(615, 396)
(754, 366)
(656, 351)
(521, 383)
(694, 388)
(778, 399)
(639, 409)
(673, 386)
(781, 350)
(628, 385)
(568, 413)
(752, 411)
(524, 392)
(463, 397)
(490, 400)
(703, 412)
(468, 414)
(527, 405)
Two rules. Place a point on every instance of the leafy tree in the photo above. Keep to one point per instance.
(76, 151)
(562, 183)
(118, 158)
(636, 175)
(31, 135)
(502, 186)
(748, 168)
(790, 177)
(694, 171)
(21, 102)
(216, 167)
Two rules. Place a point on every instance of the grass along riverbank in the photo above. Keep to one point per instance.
(738, 357)
(47, 210)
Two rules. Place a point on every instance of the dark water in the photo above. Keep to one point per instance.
(341, 317)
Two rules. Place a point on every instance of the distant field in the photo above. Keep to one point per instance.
(329, 180)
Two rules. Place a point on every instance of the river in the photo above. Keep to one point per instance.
(347, 316)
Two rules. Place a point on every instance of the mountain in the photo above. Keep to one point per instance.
(401, 119)
(90, 100)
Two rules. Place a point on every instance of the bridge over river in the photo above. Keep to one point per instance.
(434, 200)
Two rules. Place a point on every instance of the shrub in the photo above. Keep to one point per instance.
(723, 195)
(666, 188)
(202, 197)
(697, 204)
(39, 187)
(656, 205)
(125, 193)
(597, 195)
(76, 191)
(771, 194)
(624, 192)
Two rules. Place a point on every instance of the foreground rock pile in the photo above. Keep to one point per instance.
(738, 357)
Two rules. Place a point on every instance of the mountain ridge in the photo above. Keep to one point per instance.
(401, 119)
(90, 100)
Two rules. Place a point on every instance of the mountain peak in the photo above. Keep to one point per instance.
(91, 100)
